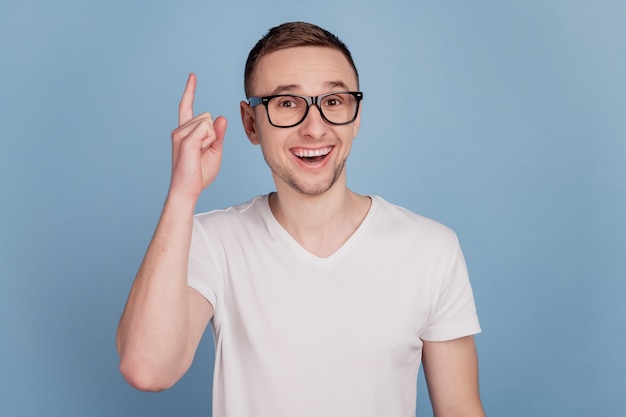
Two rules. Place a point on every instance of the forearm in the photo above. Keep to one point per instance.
(153, 337)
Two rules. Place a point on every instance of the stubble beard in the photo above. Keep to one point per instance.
(318, 188)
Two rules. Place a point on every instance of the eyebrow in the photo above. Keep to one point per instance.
(289, 88)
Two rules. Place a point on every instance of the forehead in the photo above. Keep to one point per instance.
(309, 70)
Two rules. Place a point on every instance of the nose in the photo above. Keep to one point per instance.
(313, 124)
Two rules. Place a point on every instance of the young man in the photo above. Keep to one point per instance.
(323, 302)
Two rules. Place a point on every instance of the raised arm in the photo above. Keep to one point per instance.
(451, 371)
(164, 319)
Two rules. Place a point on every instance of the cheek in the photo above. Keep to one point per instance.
(271, 139)
(355, 126)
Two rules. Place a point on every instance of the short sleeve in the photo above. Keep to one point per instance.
(202, 270)
(453, 313)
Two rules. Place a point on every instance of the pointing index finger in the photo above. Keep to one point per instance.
(185, 108)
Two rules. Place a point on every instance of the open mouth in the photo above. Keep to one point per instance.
(312, 156)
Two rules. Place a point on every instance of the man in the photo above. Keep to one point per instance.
(323, 302)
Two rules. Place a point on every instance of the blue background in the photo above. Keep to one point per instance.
(504, 120)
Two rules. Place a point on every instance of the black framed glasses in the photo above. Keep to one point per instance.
(289, 110)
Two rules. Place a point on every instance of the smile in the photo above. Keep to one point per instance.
(311, 153)
(312, 156)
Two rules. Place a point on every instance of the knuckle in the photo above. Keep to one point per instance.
(205, 126)
(176, 134)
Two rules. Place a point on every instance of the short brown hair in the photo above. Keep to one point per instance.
(291, 35)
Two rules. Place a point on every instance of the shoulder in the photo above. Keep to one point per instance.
(246, 211)
(230, 227)
(400, 221)
(234, 223)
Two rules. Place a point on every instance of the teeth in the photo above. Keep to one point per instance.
(310, 153)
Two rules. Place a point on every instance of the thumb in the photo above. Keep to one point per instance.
(219, 125)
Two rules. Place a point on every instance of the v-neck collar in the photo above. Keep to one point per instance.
(299, 249)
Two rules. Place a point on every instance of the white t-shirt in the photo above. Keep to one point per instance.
(302, 336)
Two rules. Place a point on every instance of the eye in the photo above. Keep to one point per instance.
(286, 102)
(335, 100)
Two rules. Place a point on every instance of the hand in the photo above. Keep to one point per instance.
(196, 147)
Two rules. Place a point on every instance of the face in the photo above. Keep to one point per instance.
(310, 157)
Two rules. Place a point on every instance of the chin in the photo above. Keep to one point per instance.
(314, 187)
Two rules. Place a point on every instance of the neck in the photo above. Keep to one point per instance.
(320, 223)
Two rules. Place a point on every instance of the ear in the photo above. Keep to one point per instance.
(248, 118)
